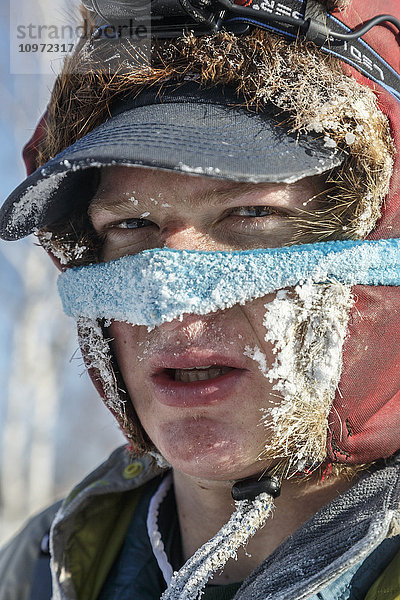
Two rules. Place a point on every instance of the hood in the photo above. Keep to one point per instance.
(364, 419)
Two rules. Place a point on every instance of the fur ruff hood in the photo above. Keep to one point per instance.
(314, 93)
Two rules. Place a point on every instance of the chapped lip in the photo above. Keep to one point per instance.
(196, 393)
(194, 358)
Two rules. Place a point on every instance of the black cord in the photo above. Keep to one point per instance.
(359, 32)
(215, 21)
(304, 24)
(249, 12)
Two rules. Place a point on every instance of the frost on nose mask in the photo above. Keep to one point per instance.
(157, 286)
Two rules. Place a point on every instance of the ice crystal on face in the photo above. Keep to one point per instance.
(197, 170)
(160, 460)
(46, 239)
(329, 142)
(260, 358)
(315, 125)
(366, 214)
(78, 251)
(308, 328)
(62, 250)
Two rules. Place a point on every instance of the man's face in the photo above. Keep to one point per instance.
(198, 384)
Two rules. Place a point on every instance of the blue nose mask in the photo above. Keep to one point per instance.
(160, 285)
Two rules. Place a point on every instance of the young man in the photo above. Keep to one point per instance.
(226, 223)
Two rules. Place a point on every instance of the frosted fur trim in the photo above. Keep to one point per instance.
(153, 530)
(160, 285)
(97, 355)
(249, 516)
(338, 4)
(307, 328)
(64, 252)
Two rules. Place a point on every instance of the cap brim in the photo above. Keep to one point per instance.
(199, 138)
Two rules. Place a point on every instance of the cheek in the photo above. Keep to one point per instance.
(124, 340)
(129, 343)
(133, 348)
(129, 346)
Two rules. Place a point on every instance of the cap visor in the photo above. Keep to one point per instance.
(199, 138)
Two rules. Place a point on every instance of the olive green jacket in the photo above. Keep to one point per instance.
(87, 531)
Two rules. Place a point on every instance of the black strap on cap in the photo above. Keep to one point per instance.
(291, 18)
(294, 18)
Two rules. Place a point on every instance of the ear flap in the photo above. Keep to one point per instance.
(365, 417)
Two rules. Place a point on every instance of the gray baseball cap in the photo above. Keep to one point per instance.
(181, 128)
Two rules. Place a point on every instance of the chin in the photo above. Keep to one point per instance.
(206, 449)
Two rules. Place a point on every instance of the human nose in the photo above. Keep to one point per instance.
(185, 237)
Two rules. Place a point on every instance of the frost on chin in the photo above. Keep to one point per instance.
(308, 328)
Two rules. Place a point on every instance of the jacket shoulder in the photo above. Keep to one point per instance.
(18, 557)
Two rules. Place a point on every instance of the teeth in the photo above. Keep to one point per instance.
(200, 373)
(199, 368)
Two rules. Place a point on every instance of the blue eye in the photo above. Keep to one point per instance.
(133, 224)
(252, 211)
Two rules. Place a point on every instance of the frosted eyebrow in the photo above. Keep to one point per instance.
(100, 205)
(222, 197)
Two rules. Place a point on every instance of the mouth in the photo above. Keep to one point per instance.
(189, 381)
(201, 373)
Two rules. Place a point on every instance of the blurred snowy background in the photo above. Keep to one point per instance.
(53, 427)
